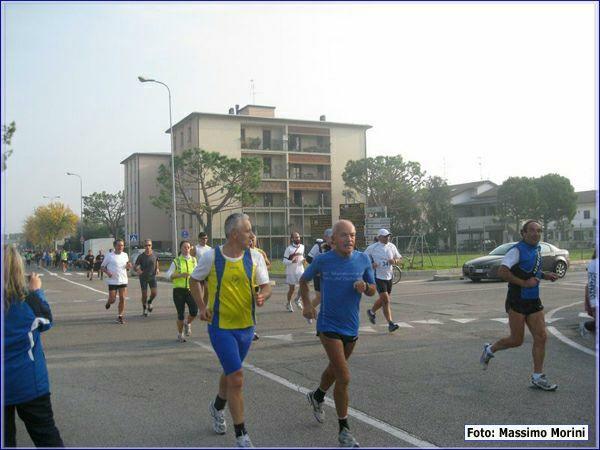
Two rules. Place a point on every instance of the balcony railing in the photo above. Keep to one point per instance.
(310, 176)
(257, 144)
(325, 148)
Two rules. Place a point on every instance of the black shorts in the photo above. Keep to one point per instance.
(145, 282)
(342, 337)
(525, 307)
(383, 285)
(317, 283)
(116, 287)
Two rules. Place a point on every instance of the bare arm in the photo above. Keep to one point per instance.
(308, 311)
(263, 294)
(197, 289)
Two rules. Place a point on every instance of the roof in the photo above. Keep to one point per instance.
(258, 106)
(586, 197)
(245, 118)
(145, 154)
(456, 189)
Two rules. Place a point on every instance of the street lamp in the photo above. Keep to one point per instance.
(149, 80)
(81, 199)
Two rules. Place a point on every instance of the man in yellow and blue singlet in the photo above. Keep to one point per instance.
(236, 280)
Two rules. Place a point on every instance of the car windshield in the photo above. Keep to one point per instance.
(502, 250)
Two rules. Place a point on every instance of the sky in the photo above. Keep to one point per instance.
(471, 91)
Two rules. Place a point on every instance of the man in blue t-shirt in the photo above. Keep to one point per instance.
(345, 275)
(521, 267)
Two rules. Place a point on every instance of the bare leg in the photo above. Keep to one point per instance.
(537, 326)
(337, 371)
(516, 322)
(235, 397)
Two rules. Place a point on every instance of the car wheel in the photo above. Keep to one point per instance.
(560, 269)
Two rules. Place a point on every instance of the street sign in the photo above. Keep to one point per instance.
(185, 234)
(378, 222)
(133, 237)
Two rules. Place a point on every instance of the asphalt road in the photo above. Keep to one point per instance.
(134, 385)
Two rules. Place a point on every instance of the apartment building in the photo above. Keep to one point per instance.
(143, 220)
(303, 162)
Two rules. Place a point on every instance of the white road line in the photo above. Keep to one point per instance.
(463, 320)
(501, 319)
(282, 337)
(359, 415)
(73, 282)
(562, 337)
(428, 321)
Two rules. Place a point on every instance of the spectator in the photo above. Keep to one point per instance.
(26, 384)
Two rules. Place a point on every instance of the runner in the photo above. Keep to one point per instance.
(28, 258)
(232, 272)
(146, 266)
(115, 266)
(98, 265)
(254, 245)
(64, 259)
(591, 300)
(384, 255)
(293, 259)
(521, 268)
(89, 260)
(322, 246)
(345, 275)
(202, 247)
(179, 273)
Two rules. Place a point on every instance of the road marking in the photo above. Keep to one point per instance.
(553, 320)
(359, 415)
(464, 320)
(585, 316)
(428, 321)
(68, 274)
(400, 324)
(283, 337)
(501, 319)
(367, 329)
(73, 282)
(561, 336)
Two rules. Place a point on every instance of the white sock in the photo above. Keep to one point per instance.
(537, 376)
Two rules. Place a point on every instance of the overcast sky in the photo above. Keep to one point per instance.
(470, 91)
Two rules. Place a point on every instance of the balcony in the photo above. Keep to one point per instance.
(257, 144)
(310, 176)
(307, 148)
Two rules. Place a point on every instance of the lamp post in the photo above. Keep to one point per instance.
(81, 203)
(149, 80)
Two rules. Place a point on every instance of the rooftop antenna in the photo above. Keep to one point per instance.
(253, 92)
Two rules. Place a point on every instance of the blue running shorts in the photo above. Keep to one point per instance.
(231, 346)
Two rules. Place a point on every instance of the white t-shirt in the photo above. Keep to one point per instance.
(117, 265)
(201, 250)
(592, 282)
(315, 250)
(293, 270)
(380, 254)
(207, 260)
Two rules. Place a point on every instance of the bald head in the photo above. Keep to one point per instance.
(344, 237)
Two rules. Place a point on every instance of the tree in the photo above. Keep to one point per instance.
(7, 135)
(557, 199)
(518, 199)
(105, 209)
(392, 182)
(437, 205)
(207, 183)
(50, 223)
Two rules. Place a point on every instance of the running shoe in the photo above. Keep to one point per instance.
(107, 304)
(371, 315)
(486, 355)
(316, 407)
(188, 329)
(543, 383)
(346, 439)
(393, 327)
(256, 337)
(145, 312)
(289, 307)
(218, 418)
(299, 304)
(243, 441)
(120, 320)
(180, 338)
(149, 307)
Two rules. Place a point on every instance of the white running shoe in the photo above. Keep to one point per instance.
(543, 383)
(243, 441)
(289, 307)
(299, 304)
(316, 407)
(486, 355)
(180, 338)
(218, 418)
(346, 439)
(188, 329)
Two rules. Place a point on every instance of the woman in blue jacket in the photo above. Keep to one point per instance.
(26, 385)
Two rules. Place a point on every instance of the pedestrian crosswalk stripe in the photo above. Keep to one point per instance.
(428, 321)
(367, 329)
(501, 319)
(283, 337)
(464, 320)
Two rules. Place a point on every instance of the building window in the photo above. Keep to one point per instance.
(295, 172)
(297, 198)
(189, 134)
(243, 137)
(266, 167)
(268, 199)
(586, 214)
